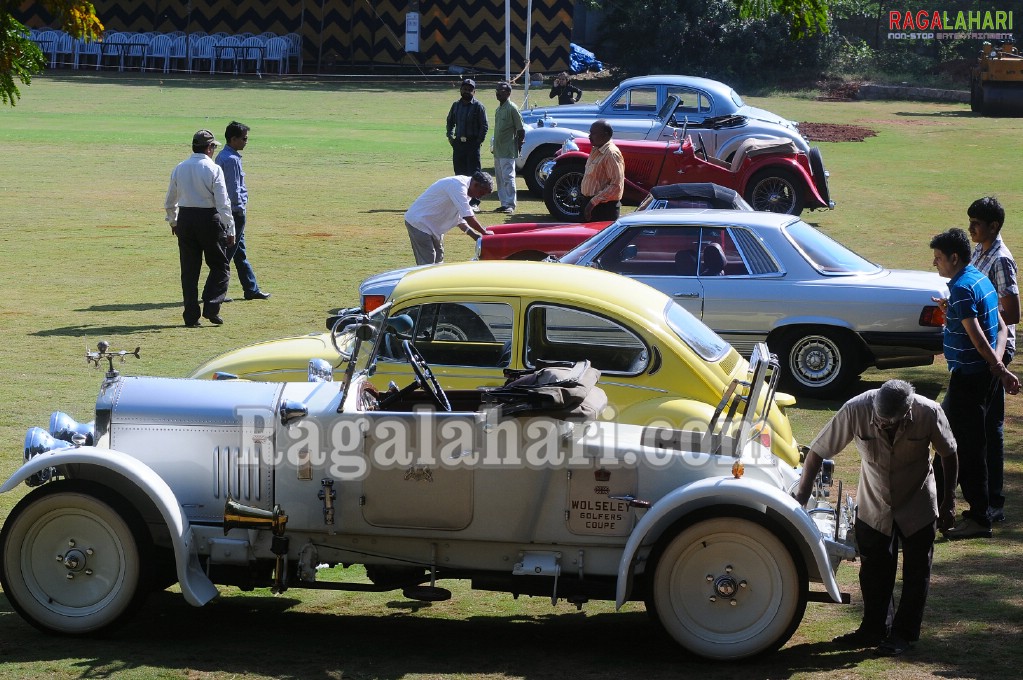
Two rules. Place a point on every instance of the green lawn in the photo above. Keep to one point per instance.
(331, 167)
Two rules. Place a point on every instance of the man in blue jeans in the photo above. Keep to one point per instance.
(974, 341)
(230, 161)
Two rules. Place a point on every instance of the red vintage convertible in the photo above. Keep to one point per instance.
(771, 174)
(540, 240)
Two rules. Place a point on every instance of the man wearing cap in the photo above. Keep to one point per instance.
(509, 134)
(466, 129)
(443, 206)
(199, 212)
(894, 429)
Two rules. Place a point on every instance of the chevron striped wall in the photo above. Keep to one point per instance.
(467, 33)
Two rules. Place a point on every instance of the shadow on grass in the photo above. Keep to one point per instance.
(81, 330)
(264, 636)
(937, 114)
(137, 307)
(922, 379)
(260, 635)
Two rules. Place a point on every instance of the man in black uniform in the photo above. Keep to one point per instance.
(466, 129)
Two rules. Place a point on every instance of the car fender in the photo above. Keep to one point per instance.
(571, 156)
(788, 322)
(792, 165)
(731, 144)
(195, 585)
(540, 136)
(668, 412)
(726, 491)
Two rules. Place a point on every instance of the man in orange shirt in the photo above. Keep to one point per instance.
(604, 178)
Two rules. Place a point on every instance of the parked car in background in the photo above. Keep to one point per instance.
(772, 175)
(754, 277)
(263, 485)
(540, 240)
(651, 108)
(475, 320)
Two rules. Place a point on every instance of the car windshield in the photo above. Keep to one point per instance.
(690, 330)
(825, 254)
(582, 251)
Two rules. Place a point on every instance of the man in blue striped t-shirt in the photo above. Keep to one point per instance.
(974, 341)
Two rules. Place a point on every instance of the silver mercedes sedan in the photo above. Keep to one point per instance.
(828, 313)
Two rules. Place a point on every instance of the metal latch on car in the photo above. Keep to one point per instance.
(540, 564)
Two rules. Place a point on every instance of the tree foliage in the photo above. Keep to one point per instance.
(709, 38)
(20, 58)
(806, 16)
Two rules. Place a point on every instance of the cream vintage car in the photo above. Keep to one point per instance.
(475, 320)
(258, 485)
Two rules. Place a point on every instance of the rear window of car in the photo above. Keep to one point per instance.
(452, 334)
(690, 101)
(826, 255)
(706, 343)
(636, 99)
(556, 333)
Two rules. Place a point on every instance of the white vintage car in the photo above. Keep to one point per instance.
(652, 108)
(259, 484)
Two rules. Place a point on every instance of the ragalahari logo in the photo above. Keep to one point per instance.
(936, 24)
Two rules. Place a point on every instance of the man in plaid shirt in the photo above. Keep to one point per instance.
(994, 260)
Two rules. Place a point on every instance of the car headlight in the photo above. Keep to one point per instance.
(37, 442)
(569, 145)
(64, 427)
(479, 249)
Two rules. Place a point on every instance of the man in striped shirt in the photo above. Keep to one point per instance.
(974, 342)
(993, 259)
(604, 177)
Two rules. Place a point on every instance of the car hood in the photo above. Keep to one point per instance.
(559, 112)
(764, 115)
(266, 360)
(520, 227)
(384, 283)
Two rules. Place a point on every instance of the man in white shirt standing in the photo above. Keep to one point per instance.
(443, 206)
(199, 213)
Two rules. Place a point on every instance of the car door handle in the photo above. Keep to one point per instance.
(686, 295)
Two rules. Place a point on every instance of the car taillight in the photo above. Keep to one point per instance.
(371, 302)
(932, 315)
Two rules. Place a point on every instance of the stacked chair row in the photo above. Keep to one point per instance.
(177, 51)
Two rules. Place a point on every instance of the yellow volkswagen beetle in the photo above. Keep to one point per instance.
(472, 321)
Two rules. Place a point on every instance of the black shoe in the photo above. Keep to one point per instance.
(996, 514)
(213, 319)
(968, 527)
(194, 324)
(893, 645)
(257, 295)
(858, 639)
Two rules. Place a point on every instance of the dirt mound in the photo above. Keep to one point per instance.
(834, 90)
(831, 132)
